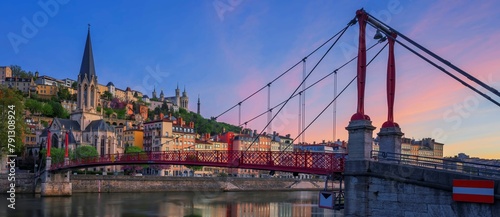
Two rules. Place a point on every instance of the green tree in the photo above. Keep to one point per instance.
(56, 154)
(108, 112)
(191, 167)
(74, 85)
(133, 149)
(120, 113)
(58, 110)
(17, 71)
(47, 110)
(34, 106)
(107, 95)
(11, 110)
(85, 151)
(63, 94)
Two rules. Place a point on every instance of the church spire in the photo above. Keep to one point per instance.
(87, 68)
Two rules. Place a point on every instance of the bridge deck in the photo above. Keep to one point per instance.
(301, 162)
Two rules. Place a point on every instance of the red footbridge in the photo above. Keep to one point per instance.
(296, 162)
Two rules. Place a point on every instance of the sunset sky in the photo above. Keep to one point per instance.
(224, 50)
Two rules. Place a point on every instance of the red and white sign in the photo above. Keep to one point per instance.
(477, 191)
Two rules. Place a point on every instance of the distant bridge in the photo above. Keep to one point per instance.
(296, 162)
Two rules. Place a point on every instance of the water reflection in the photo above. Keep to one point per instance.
(171, 204)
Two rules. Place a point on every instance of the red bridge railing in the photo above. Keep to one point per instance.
(301, 162)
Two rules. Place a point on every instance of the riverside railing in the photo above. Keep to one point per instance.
(472, 168)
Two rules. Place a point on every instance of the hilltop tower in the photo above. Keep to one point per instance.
(184, 100)
(154, 92)
(198, 110)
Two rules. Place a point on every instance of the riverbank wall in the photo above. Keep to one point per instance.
(113, 184)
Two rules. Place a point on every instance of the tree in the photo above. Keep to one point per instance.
(133, 168)
(85, 151)
(58, 110)
(63, 94)
(133, 149)
(11, 110)
(47, 110)
(195, 168)
(56, 154)
(33, 106)
(120, 113)
(108, 112)
(107, 95)
(74, 85)
(17, 71)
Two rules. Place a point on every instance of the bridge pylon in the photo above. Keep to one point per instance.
(55, 183)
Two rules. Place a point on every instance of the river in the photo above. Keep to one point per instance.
(171, 204)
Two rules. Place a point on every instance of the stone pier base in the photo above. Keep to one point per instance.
(57, 189)
(57, 184)
(390, 142)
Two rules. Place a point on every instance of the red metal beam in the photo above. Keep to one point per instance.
(302, 162)
(361, 71)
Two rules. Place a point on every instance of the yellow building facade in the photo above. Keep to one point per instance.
(46, 91)
(5, 72)
(134, 137)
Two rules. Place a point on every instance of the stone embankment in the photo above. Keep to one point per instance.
(94, 183)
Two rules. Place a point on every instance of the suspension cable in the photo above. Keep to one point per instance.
(310, 86)
(331, 102)
(296, 89)
(352, 22)
(443, 70)
(467, 75)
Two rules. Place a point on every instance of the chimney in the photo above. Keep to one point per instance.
(179, 121)
(287, 136)
(161, 116)
(191, 124)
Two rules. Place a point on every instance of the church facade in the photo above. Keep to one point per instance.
(85, 126)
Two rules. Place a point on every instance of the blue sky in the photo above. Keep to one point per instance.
(223, 50)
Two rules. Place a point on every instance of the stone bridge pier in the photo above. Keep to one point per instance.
(387, 188)
(55, 183)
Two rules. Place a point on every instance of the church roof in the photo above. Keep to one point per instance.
(68, 124)
(110, 84)
(99, 125)
(145, 96)
(87, 68)
(71, 136)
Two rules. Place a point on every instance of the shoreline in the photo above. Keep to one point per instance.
(137, 184)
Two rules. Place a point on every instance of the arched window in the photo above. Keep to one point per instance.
(92, 96)
(85, 95)
(103, 145)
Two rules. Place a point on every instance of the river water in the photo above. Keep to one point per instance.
(206, 204)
